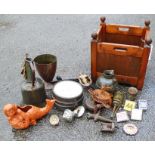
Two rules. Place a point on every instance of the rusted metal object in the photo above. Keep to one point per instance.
(102, 96)
(118, 101)
(97, 117)
(33, 90)
(90, 105)
(108, 127)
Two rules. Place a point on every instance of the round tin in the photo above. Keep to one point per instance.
(132, 93)
(68, 94)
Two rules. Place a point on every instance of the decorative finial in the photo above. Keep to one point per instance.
(147, 23)
(102, 19)
(148, 41)
(94, 36)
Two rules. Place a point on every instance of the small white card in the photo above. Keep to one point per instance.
(122, 116)
(136, 114)
(142, 104)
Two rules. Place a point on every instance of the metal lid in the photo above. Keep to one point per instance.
(67, 89)
(130, 129)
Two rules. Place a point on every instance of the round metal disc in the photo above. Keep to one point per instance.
(79, 111)
(54, 120)
(130, 129)
(68, 89)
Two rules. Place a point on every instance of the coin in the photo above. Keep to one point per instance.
(130, 129)
(54, 120)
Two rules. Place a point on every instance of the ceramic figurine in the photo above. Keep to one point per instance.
(102, 97)
(21, 117)
(107, 79)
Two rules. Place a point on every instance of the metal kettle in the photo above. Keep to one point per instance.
(107, 79)
(33, 89)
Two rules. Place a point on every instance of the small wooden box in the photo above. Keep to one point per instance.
(123, 48)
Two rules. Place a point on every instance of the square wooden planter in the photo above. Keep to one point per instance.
(123, 48)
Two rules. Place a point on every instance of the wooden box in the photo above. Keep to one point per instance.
(123, 48)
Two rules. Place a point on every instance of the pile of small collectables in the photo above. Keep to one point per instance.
(132, 110)
(135, 109)
(124, 107)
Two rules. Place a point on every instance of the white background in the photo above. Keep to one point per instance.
(77, 7)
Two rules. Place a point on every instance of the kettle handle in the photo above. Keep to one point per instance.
(30, 61)
(29, 70)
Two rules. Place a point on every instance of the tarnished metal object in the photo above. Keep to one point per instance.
(118, 101)
(101, 96)
(132, 93)
(97, 117)
(68, 115)
(90, 105)
(85, 80)
(33, 90)
(54, 120)
(107, 79)
(108, 127)
(79, 111)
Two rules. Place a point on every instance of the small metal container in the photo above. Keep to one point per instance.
(32, 89)
(107, 79)
(68, 94)
(34, 95)
(132, 93)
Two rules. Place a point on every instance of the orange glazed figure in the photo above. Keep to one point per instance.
(21, 117)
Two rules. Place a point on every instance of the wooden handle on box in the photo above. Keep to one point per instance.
(119, 49)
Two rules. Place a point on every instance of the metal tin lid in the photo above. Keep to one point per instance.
(67, 89)
(130, 129)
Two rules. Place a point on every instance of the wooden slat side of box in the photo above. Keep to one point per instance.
(120, 49)
(124, 29)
